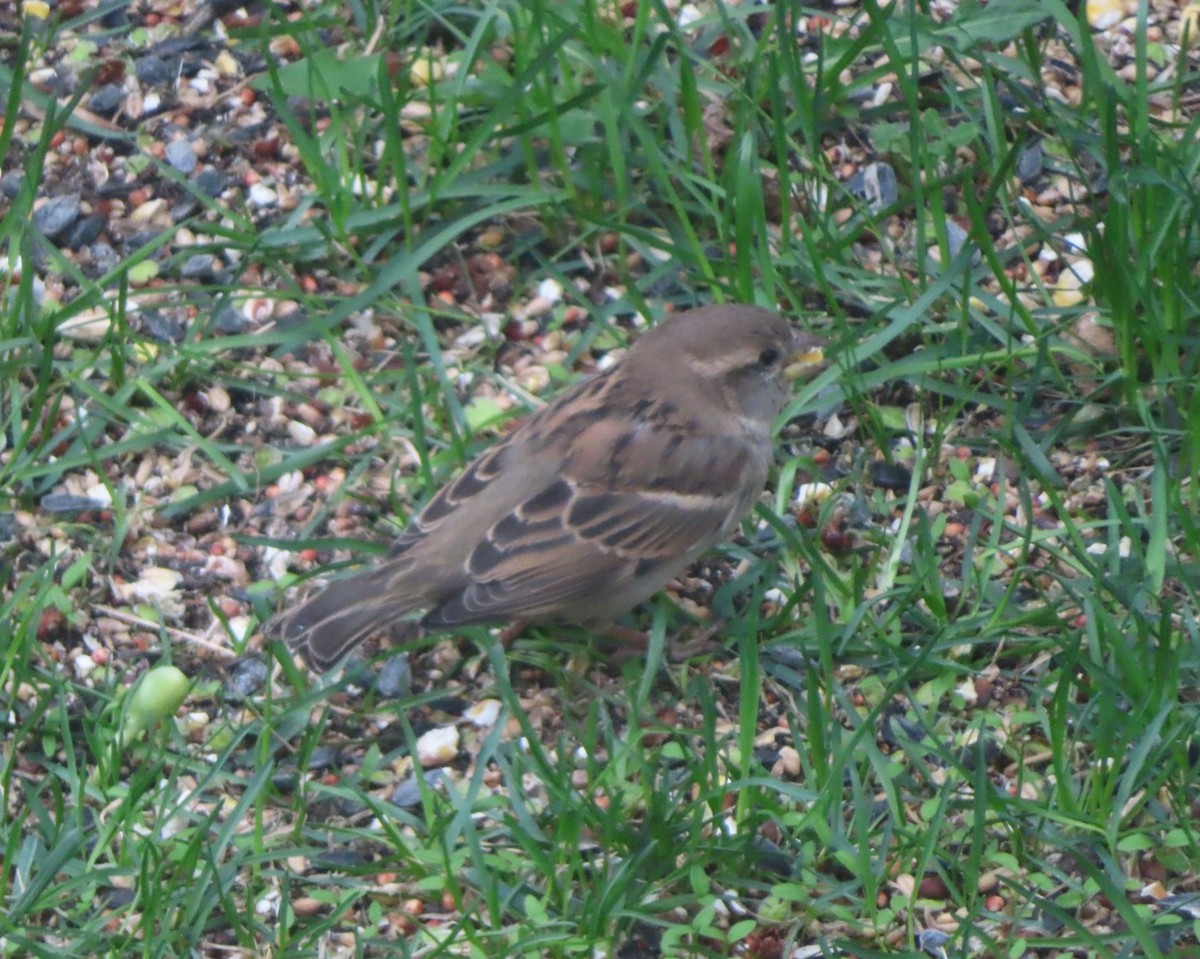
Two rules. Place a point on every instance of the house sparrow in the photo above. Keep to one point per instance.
(594, 503)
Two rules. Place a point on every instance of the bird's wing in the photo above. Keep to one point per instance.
(630, 506)
(497, 481)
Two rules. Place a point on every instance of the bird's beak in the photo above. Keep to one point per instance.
(806, 357)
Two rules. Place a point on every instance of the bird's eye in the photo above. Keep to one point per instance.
(769, 357)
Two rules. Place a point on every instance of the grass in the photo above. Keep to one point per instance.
(959, 695)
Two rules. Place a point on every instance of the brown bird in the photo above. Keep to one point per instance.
(594, 503)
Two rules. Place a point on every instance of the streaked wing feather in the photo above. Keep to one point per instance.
(649, 523)
(535, 592)
(488, 483)
(577, 540)
(474, 479)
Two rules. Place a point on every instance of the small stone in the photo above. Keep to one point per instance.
(262, 195)
(483, 713)
(307, 906)
(408, 794)
(12, 183)
(84, 232)
(218, 399)
(107, 100)
(1030, 161)
(301, 433)
(1068, 291)
(104, 259)
(83, 666)
(57, 215)
(165, 329)
(210, 182)
(1074, 243)
(113, 18)
(891, 476)
(956, 239)
(933, 942)
(197, 267)
(1090, 333)
(438, 747)
(808, 494)
(99, 492)
(181, 210)
(550, 290)
(148, 211)
(152, 70)
(876, 185)
(395, 679)
(491, 237)
(537, 306)
(246, 678)
(268, 905)
(234, 570)
(1102, 14)
(426, 71)
(230, 321)
(321, 759)
(240, 627)
(1189, 25)
(181, 156)
(155, 584)
(226, 65)
(788, 763)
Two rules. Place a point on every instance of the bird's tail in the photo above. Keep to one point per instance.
(327, 625)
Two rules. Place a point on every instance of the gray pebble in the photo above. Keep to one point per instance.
(143, 238)
(12, 183)
(55, 217)
(408, 794)
(104, 259)
(891, 476)
(1030, 161)
(230, 321)
(114, 17)
(932, 942)
(165, 329)
(107, 100)
(321, 758)
(210, 182)
(184, 208)
(197, 267)
(340, 859)
(84, 232)
(246, 678)
(395, 679)
(181, 156)
(956, 239)
(876, 185)
(152, 71)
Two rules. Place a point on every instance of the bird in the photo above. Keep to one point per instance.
(594, 503)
